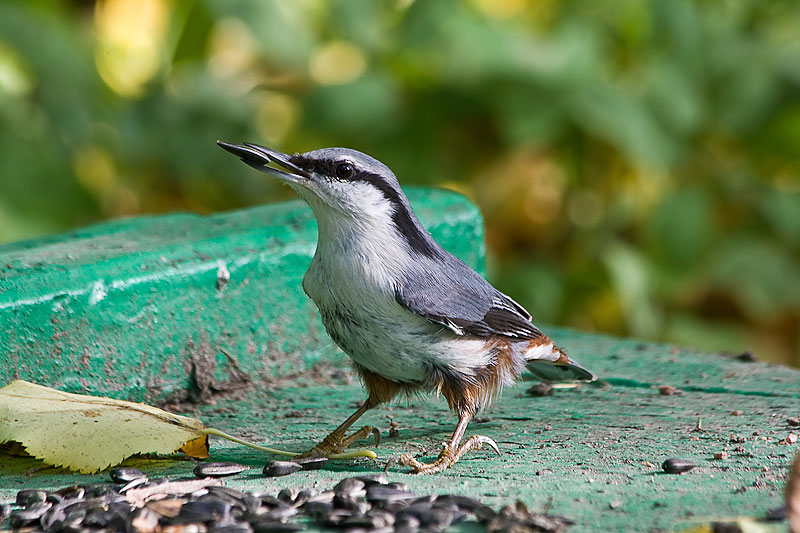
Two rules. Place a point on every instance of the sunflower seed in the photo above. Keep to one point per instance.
(374, 479)
(281, 468)
(677, 466)
(312, 463)
(205, 510)
(132, 484)
(27, 516)
(125, 475)
(219, 469)
(268, 500)
(73, 492)
(385, 493)
(53, 520)
(350, 485)
(286, 496)
(482, 512)
(322, 497)
(316, 510)
(28, 497)
(302, 497)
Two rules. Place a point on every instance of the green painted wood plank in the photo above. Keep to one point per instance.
(121, 308)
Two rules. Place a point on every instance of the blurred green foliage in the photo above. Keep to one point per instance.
(637, 162)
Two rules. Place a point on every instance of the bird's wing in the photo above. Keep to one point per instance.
(467, 304)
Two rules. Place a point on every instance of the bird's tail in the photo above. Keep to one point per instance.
(547, 362)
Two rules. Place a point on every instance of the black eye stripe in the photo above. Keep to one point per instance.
(403, 217)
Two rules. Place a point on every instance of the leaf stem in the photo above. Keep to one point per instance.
(346, 455)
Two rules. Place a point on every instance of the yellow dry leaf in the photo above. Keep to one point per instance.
(88, 433)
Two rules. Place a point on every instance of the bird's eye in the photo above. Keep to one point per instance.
(345, 171)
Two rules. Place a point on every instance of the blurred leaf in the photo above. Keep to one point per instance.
(632, 283)
(680, 230)
(761, 277)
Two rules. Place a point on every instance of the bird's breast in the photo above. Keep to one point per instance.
(367, 323)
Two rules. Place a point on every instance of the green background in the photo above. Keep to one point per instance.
(636, 161)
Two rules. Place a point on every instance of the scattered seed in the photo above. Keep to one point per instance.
(29, 515)
(286, 496)
(132, 484)
(350, 485)
(219, 469)
(302, 497)
(125, 475)
(281, 468)
(677, 466)
(365, 503)
(311, 463)
(73, 492)
(385, 493)
(28, 497)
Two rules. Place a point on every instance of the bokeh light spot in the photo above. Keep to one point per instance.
(15, 79)
(277, 114)
(337, 63)
(94, 169)
(233, 48)
(585, 208)
(501, 9)
(130, 35)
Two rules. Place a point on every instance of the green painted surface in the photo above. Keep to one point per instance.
(579, 452)
(592, 454)
(122, 308)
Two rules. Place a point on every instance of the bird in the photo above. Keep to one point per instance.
(412, 317)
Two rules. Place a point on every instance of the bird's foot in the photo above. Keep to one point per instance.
(447, 458)
(337, 443)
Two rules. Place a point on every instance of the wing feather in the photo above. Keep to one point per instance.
(474, 308)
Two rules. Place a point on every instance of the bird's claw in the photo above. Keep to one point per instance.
(447, 457)
(335, 443)
(492, 444)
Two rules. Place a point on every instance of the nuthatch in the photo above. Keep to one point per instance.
(410, 315)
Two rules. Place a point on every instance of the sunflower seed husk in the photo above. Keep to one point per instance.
(312, 463)
(677, 466)
(219, 469)
(28, 497)
(27, 516)
(281, 468)
(125, 475)
(385, 493)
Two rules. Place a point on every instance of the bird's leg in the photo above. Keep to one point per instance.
(451, 452)
(336, 441)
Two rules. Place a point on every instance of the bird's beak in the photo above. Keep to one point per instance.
(259, 157)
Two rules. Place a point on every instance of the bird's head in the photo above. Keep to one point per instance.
(339, 179)
(342, 186)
